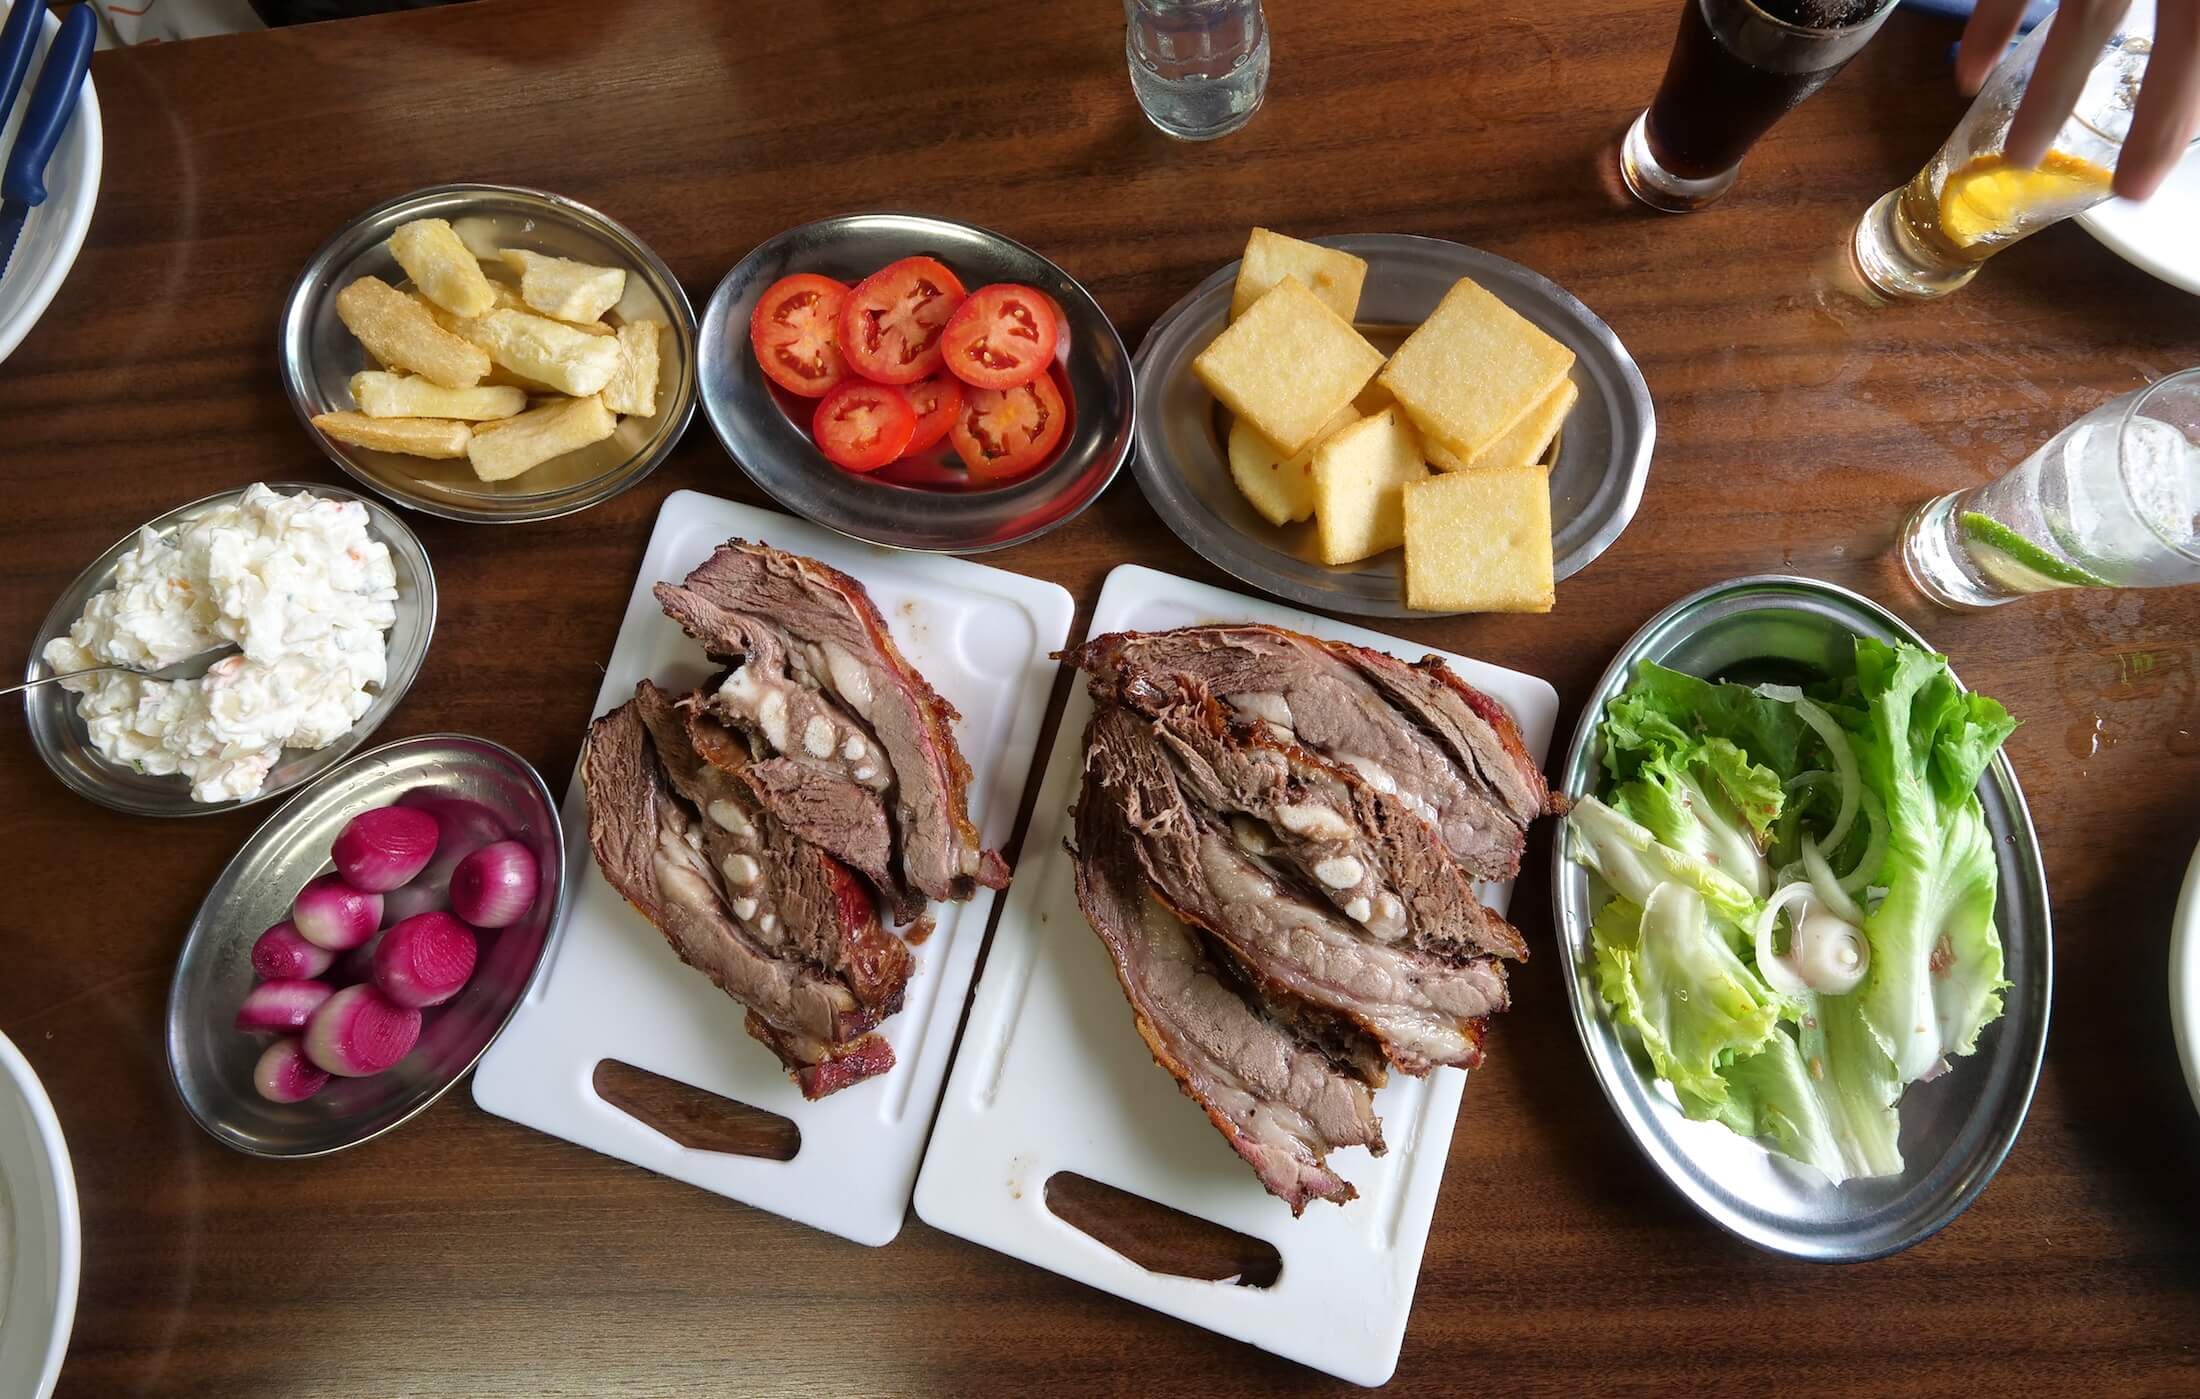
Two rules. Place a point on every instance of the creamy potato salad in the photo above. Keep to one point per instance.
(295, 581)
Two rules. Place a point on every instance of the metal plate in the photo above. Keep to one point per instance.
(61, 738)
(1596, 483)
(319, 355)
(212, 1062)
(1955, 1129)
(778, 455)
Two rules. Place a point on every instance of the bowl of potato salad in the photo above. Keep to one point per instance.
(482, 352)
(327, 596)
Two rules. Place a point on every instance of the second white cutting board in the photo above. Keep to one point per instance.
(1052, 1076)
(614, 990)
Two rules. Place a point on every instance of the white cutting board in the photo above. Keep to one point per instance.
(613, 988)
(1053, 1076)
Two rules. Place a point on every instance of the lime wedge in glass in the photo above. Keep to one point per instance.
(2017, 563)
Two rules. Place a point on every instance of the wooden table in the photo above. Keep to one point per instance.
(464, 1255)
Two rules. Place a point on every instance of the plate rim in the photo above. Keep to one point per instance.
(716, 312)
(316, 268)
(381, 519)
(2184, 976)
(206, 913)
(1591, 1019)
(87, 116)
(1635, 477)
(16, 1067)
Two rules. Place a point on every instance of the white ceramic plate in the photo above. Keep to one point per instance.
(2162, 236)
(40, 1236)
(55, 229)
(2184, 976)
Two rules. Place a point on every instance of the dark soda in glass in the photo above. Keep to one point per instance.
(1739, 66)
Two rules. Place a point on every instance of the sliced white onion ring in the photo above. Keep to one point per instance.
(1829, 890)
(1875, 849)
(1837, 745)
(1774, 968)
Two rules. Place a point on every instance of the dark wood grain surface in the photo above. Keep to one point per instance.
(464, 1255)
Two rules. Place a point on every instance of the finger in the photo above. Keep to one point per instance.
(1985, 39)
(2074, 41)
(2162, 124)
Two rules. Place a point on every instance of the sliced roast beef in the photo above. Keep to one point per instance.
(794, 898)
(817, 677)
(1448, 752)
(1356, 846)
(1279, 1101)
(651, 849)
(843, 818)
(1424, 1007)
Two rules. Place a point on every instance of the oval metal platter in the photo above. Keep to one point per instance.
(1957, 1128)
(212, 1063)
(1597, 477)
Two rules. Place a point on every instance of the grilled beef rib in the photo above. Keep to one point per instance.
(817, 680)
(1275, 1095)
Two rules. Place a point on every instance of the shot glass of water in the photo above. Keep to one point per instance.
(1199, 67)
(2112, 501)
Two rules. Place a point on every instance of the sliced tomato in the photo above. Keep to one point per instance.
(935, 400)
(861, 426)
(795, 332)
(890, 326)
(1004, 433)
(1001, 336)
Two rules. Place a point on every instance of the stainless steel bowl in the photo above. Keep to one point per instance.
(61, 738)
(779, 456)
(212, 1062)
(1596, 481)
(319, 355)
(1955, 1129)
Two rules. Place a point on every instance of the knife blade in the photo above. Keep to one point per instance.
(53, 98)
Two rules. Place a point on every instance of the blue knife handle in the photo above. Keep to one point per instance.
(53, 97)
(18, 36)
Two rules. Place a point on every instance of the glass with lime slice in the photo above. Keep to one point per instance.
(2112, 501)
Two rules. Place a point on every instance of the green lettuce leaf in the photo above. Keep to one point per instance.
(1664, 710)
(1664, 969)
(1709, 800)
(1922, 744)
(1635, 862)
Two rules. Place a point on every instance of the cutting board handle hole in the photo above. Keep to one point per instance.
(1158, 1238)
(699, 1120)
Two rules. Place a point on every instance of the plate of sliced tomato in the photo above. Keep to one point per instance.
(916, 382)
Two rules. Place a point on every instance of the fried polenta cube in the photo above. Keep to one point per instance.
(1334, 276)
(1532, 435)
(399, 332)
(1279, 487)
(510, 446)
(1473, 370)
(563, 289)
(1480, 541)
(414, 437)
(1360, 476)
(441, 267)
(1287, 365)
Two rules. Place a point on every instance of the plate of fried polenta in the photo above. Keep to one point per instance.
(1391, 426)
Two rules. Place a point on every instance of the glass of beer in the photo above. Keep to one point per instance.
(1737, 67)
(1970, 201)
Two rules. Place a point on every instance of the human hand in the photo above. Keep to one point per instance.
(2168, 110)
